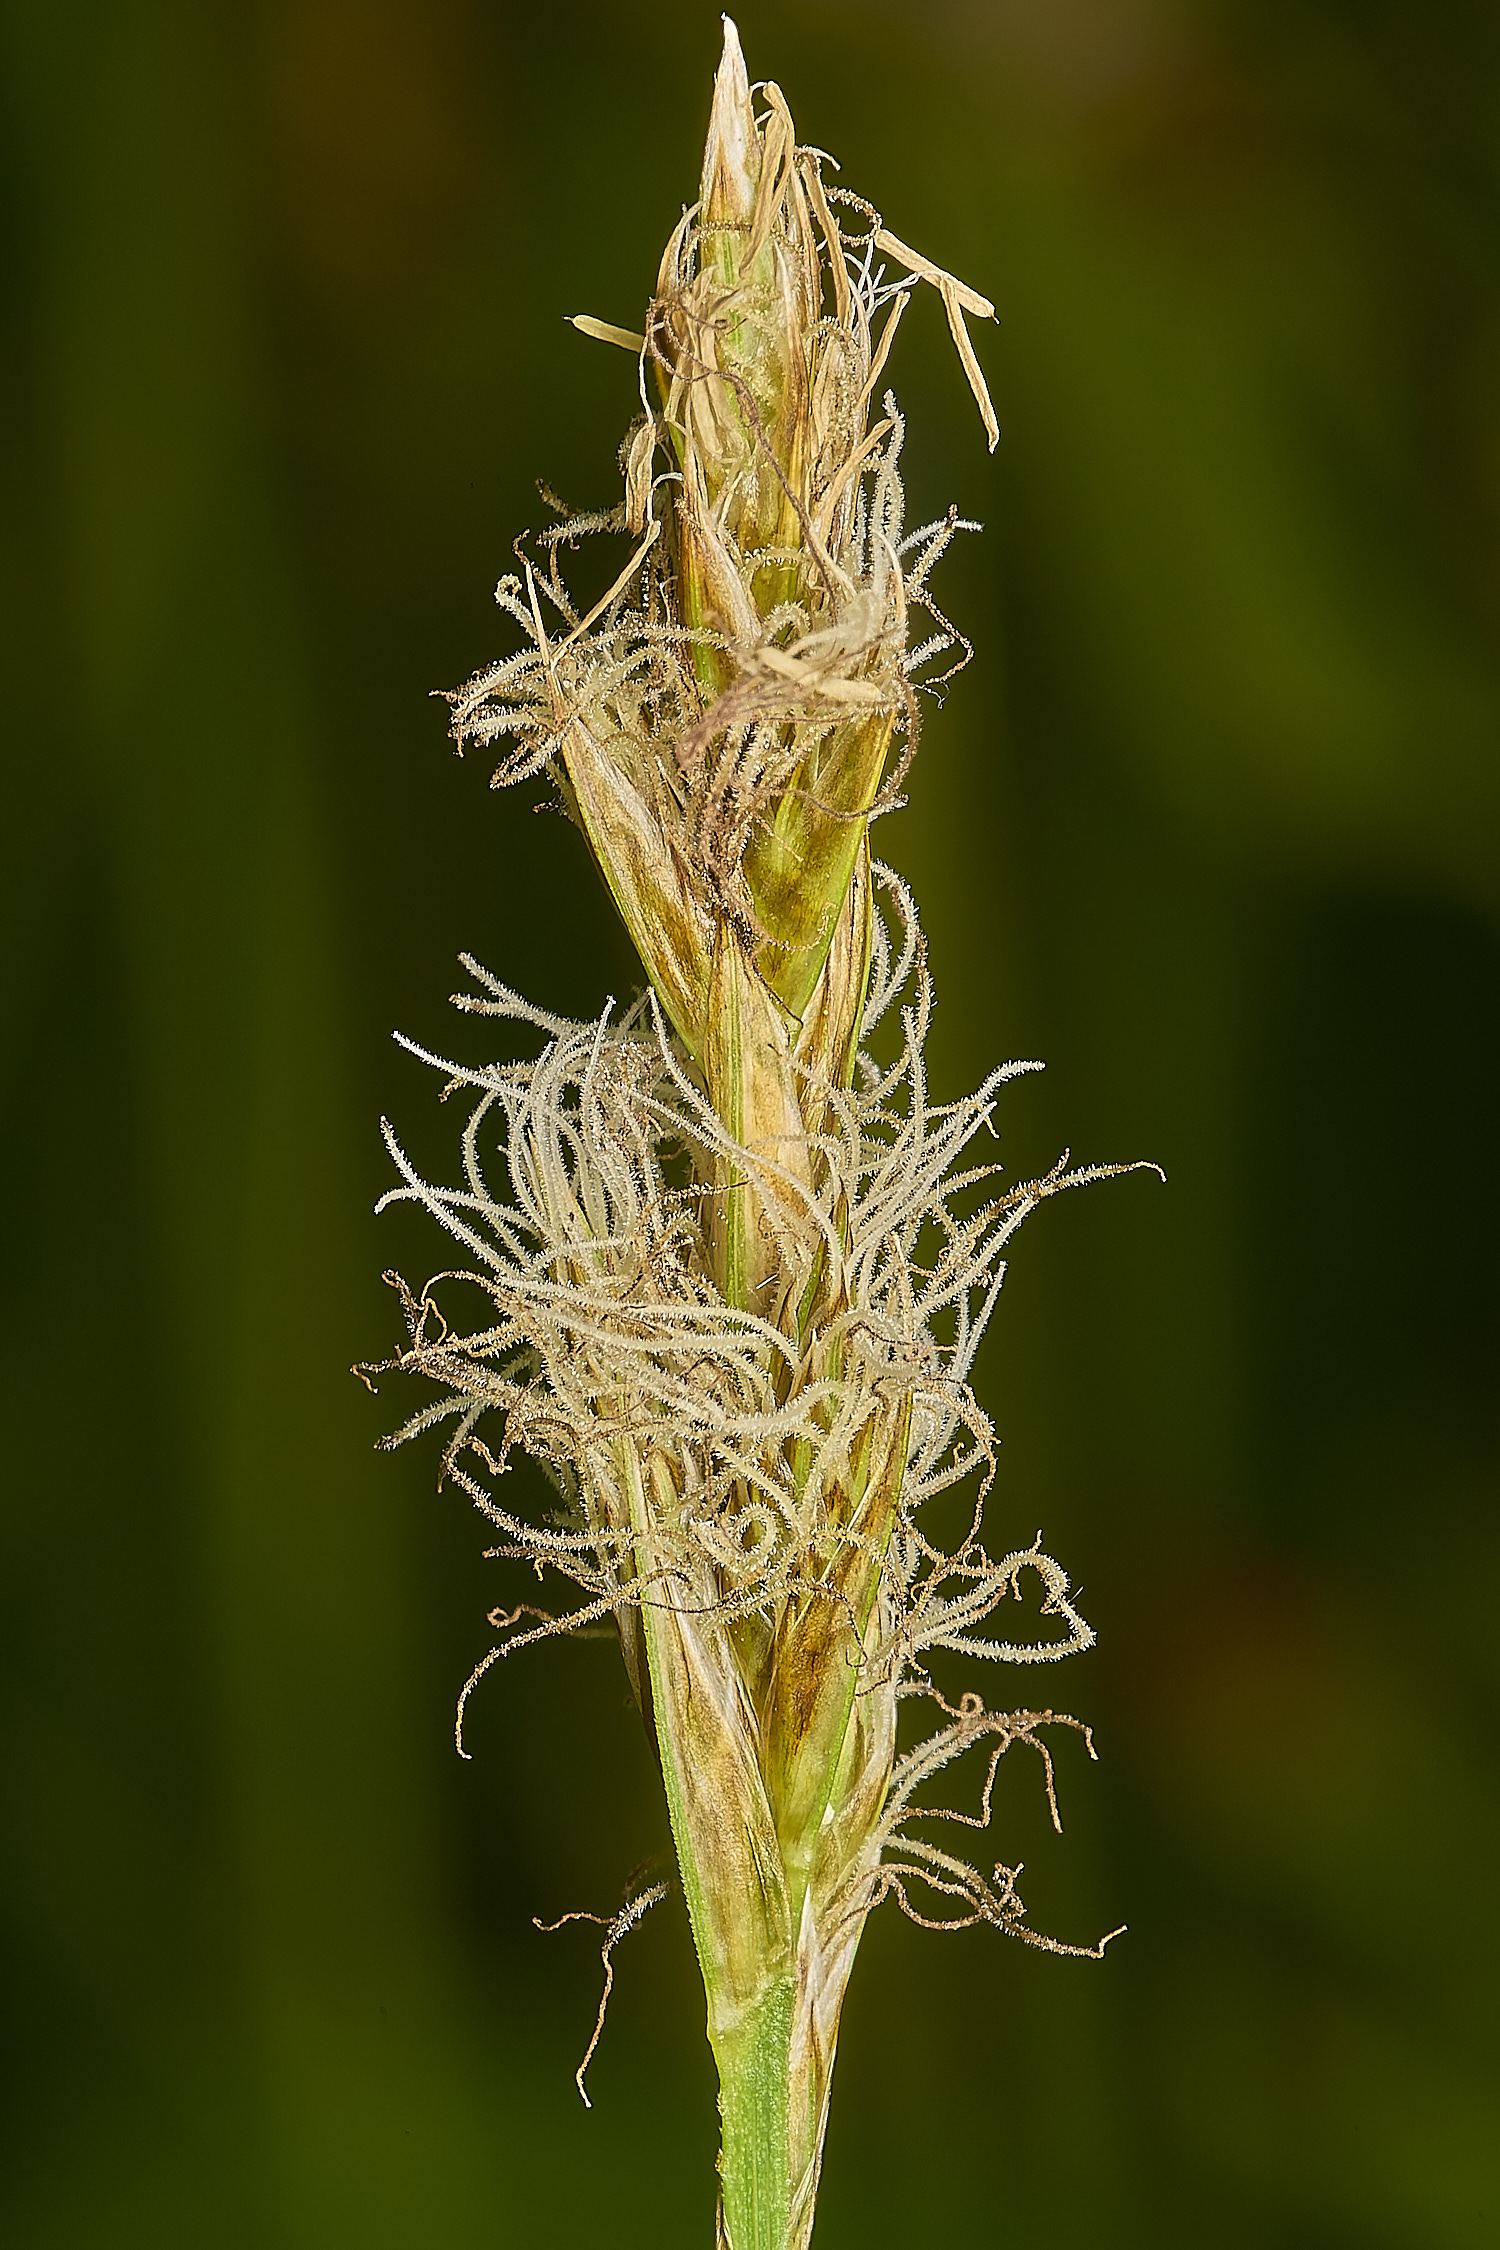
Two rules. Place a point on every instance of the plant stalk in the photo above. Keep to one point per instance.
(754, 2061)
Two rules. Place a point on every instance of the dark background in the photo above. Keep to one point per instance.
(1211, 823)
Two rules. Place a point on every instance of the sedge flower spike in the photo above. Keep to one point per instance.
(733, 1270)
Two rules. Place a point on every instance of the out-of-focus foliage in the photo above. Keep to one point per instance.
(1211, 823)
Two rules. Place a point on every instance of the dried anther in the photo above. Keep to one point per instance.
(614, 1927)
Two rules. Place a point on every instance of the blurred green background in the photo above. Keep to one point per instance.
(1212, 822)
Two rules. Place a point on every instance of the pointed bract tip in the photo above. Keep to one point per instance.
(731, 158)
(732, 84)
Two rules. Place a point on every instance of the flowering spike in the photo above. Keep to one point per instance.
(702, 1307)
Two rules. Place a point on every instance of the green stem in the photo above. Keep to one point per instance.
(734, 1883)
(754, 2069)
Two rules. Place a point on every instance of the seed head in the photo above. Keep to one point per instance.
(734, 1279)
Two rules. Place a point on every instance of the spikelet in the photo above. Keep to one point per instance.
(731, 1270)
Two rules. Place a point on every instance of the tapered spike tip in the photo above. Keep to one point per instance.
(731, 158)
